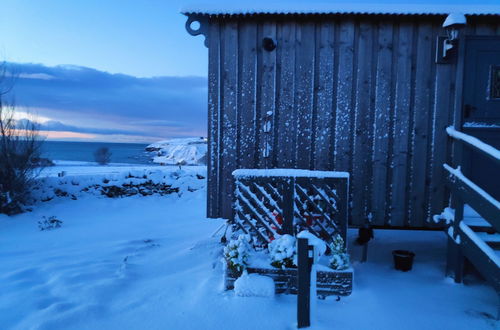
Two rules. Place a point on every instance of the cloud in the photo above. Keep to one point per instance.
(53, 126)
(81, 99)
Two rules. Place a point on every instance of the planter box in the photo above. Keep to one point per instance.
(329, 282)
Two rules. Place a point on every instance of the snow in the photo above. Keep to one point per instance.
(341, 8)
(288, 172)
(190, 151)
(254, 285)
(473, 124)
(319, 244)
(455, 18)
(451, 233)
(486, 148)
(151, 263)
(448, 215)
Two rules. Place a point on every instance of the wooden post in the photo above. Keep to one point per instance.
(305, 260)
(288, 203)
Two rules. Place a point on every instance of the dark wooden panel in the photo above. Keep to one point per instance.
(266, 100)
(323, 127)
(286, 126)
(401, 131)
(382, 120)
(213, 193)
(247, 147)
(421, 113)
(344, 105)
(363, 128)
(229, 112)
(304, 79)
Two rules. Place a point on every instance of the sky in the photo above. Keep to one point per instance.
(113, 70)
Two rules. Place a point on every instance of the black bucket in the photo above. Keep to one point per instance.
(403, 260)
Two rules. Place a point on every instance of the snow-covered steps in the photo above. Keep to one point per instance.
(480, 253)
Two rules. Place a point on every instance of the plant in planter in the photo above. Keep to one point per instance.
(283, 252)
(340, 257)
(237, 253)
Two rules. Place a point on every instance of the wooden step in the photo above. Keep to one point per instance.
(493, 240)
(476, 247)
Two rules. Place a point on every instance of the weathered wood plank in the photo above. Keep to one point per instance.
(344, 105)
(483, 29)
(401, 128)
(382, 121)
(286, 127)
(247, 147)
(363, 127)
(266, 103)
(213, 184)
(421, 112)
(229, 112)
(304, 82)
(323, 99)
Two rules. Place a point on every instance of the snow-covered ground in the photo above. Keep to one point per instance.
(152, 263)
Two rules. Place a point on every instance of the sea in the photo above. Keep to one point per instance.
(127, 153)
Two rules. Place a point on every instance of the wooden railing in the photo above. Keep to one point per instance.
(464, 241)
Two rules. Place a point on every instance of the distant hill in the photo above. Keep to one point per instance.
(186, 151)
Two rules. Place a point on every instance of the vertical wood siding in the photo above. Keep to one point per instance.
(350, 93)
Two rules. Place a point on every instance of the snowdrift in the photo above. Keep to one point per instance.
(187, 151)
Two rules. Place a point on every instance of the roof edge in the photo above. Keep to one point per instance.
(339, 8)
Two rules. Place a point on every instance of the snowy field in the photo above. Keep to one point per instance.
(151, 263)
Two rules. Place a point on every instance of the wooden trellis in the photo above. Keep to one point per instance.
(285, 201)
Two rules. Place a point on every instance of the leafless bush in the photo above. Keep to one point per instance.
(102, 156)
(19, 154)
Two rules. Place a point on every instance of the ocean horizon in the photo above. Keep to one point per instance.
(127, 153)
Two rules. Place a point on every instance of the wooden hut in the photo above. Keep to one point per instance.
(349, 88)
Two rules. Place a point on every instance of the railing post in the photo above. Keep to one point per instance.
(455, 258)
(305, 256)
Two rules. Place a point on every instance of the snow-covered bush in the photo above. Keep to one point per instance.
(49, 223)
(283, 252)
(340, 257)
(237, 253)
(102, 156)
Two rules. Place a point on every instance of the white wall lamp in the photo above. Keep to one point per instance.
(446, 44)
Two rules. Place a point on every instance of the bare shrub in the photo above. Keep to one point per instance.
(102, 156)
(20, 145)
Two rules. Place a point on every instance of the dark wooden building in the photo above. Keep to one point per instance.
(360, 90)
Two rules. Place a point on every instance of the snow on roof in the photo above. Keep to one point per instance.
(455, 18)
(342, 8)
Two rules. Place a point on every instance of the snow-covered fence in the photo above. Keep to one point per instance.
(464, 241)
(285, 201)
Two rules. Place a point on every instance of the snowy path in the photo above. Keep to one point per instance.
(149, 263)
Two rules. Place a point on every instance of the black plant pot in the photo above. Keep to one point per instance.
(403, 260)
